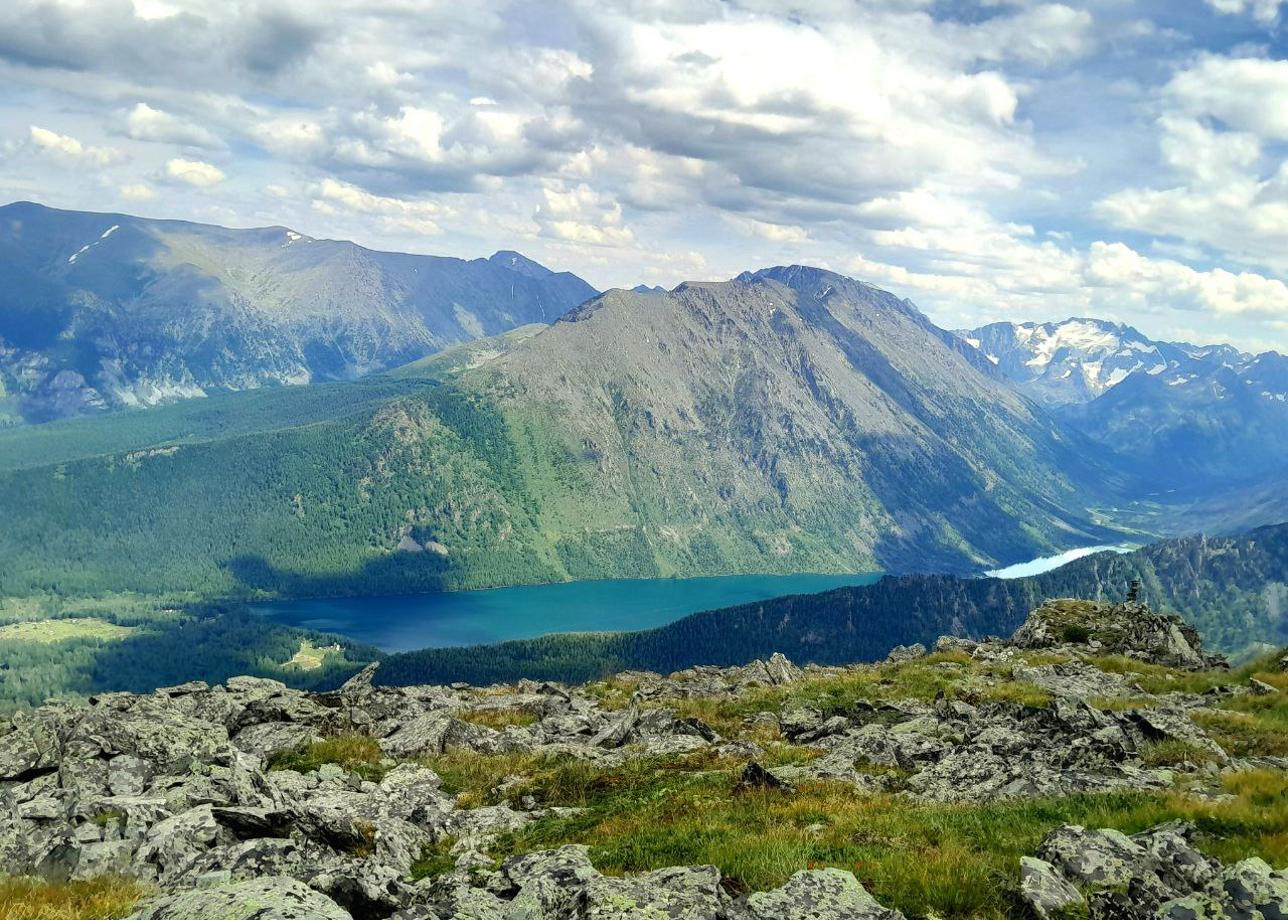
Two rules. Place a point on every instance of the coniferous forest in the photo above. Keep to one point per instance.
(1230, 588)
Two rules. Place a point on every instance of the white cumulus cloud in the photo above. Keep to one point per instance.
(144, 123)
(197, 173)
(68, 148)
(1265, 11)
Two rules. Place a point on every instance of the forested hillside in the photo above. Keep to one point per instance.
(1234, 589)
(54, 648)
(789, 421)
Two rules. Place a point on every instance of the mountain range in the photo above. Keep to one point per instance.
(1187, 420)
(109, 311)
(788, 420)
(1078, 360)
(491, 422)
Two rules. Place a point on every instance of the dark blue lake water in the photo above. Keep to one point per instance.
(402, 623)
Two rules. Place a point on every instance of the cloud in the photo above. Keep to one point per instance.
(1264, 11)
(69, 149)
(144, 123)
(196, 173)
(1127, 274)
(1244, 93)
(137, 191)
(418, 217)
(974, 152)
(582, 215)
(776, 233)
(1221, 188)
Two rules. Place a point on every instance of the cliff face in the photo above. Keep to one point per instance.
(528, 799)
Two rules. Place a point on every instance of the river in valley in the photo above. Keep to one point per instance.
(406, 622)
(1047, 563)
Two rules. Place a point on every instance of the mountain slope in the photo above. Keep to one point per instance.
(1209, 427)
(107, 310)
(1233, 589)
(791, 420)
(826, 421)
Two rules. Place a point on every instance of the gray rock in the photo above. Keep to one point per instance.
(756, 778)
(1251, 889)
(901, 653)
(1045, 890)
(1155, 874)
(437, 732)
(781, 670)
(268, 739)
(1128, 629)
(819, 894)
(128, 775)
(174, 844)
(681, 893)
(955, 644)
(256, 899)
(1098, 858)
(618, 731)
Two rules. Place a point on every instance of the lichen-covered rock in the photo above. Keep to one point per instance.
(1154, 874)
(680, 893)
(1044, 889)
(1104, 858)
(819, 894)
(152, 787)
(1131, 629)
(1251, 886)
(268, 739)
(901, 653)
(256, 899)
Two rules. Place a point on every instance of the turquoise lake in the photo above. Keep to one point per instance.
(406, 622)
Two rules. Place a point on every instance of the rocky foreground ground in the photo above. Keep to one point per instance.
(251, 800)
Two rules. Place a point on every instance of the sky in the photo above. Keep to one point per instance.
(989, 160)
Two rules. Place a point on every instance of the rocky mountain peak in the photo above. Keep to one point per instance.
(1079, 359)
(1131, 628)
(518, 262)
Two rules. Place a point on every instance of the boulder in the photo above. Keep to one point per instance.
(902, 653)
(819, 894)
(1045, 890)
(268, 739)
(1155, 874)
(756, 778)
(254, 899)
(682, 893)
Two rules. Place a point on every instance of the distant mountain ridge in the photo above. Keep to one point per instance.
(789, 420)
(1080, 359)
(1190, 419)
(795, 392)
(108, 310)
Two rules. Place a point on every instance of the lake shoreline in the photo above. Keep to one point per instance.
(405, 622)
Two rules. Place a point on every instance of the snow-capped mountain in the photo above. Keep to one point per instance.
(1077, 360)
(108, 310)
(1186, 414)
